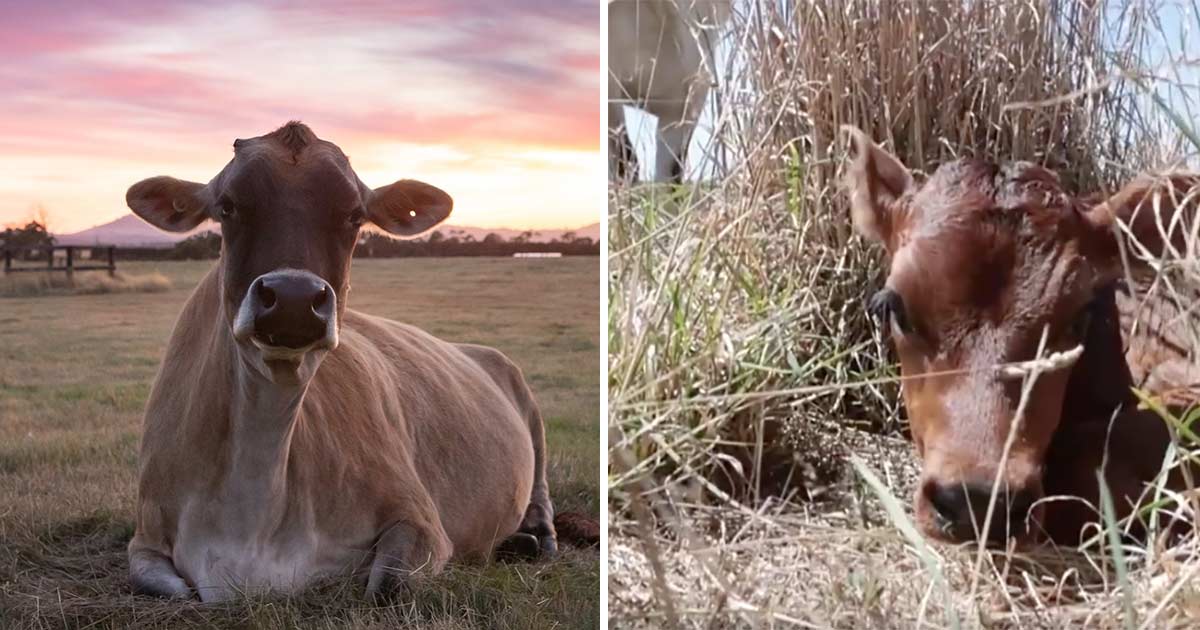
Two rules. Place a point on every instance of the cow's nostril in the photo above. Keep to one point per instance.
(947, 501)
(266, 296)
(321, 297)
(1021, 505)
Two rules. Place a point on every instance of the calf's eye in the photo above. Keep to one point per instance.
(357, 217)
(887, 306)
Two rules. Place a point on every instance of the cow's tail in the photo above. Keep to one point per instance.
(573, 528)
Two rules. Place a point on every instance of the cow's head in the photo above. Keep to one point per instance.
(984, 260)
(290, 210)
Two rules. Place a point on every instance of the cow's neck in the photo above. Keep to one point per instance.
(263, 420)
(1100, 380)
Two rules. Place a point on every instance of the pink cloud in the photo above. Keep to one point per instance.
(139, 82)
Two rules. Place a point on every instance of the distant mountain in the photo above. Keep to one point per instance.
(127, 231)
(130, 231)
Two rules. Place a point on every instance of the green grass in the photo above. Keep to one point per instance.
(75, 371)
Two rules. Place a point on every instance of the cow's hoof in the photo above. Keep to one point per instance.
(519, 546)
(175, 589)
(548, 547)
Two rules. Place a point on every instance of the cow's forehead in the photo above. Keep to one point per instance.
(261, 175)
(967, 277)
(955, 267)
(264, 148)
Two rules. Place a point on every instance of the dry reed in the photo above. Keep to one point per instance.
(743, 370)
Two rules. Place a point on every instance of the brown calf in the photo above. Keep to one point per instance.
(989, 263)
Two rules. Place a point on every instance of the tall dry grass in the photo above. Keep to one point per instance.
(743, 365)
(31, 284)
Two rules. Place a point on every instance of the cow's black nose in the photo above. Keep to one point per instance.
(291, 309)
(961, 509)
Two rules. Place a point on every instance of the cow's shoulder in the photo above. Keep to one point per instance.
(403, 343)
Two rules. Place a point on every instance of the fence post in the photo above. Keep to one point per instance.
(112, 263)
(70, 262)
(7, 261)
(50, 257)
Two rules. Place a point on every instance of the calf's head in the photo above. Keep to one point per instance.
(987, 264)
(290, 209)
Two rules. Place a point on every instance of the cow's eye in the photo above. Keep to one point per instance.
(887, 306)
(227, 209)
(357, 217)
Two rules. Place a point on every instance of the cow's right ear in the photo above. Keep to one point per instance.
(408, 208)
(1152, 215)
(875, 179)
(169, 204)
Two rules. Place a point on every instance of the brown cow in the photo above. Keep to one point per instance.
(288, 437)
(986, 262)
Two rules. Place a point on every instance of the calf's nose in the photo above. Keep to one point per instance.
(291, 309)
(960, 510)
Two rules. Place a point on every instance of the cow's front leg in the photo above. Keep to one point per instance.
(152, 573)
(406, 550)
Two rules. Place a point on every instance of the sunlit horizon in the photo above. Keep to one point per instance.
(496, 104)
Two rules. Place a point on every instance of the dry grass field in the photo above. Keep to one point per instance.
(75, 371)
(745, 373)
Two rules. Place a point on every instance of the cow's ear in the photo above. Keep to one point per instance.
(408, 208)
(169, 204)
(1150, 216)
(875, 179)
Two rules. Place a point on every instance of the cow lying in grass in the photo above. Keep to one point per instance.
(988, 265)
(289, 437)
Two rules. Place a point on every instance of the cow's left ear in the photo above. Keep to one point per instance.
(169, 204)
(408, 208)
(875, 179)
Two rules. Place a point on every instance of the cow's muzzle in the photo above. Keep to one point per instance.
(287, 313)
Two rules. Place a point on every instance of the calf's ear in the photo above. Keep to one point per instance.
(408, 208)
(1151, 216)
(875, 180)
(169, 204)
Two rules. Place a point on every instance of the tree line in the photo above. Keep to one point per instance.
(207, 245)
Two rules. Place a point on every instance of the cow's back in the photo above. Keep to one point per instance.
(1160, 342)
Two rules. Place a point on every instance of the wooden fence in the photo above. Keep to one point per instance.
(69, 260)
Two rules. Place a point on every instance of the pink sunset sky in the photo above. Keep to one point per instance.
(495, 102)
